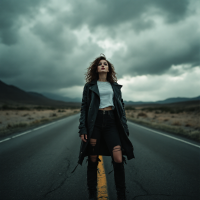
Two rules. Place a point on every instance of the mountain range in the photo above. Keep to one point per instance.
(12, 94)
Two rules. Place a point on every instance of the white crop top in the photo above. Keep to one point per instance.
(106, 94)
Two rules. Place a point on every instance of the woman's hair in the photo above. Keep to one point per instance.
(92, 73)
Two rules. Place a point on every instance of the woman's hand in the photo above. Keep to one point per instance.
(84, 137)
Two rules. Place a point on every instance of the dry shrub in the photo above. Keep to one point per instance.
(141, 114)
(60, 110)
(53, 115)
(195, 135)
(188, 125)
(16, 125)
(9, 126)
(35, 121)
(176, 123)
(44, 120)
(30, 118)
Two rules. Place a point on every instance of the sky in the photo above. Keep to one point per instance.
(154, 45)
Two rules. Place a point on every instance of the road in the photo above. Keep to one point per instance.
(38, 165)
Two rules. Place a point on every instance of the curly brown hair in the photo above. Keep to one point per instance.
(91, 73)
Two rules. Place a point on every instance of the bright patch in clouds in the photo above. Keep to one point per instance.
(152, 87)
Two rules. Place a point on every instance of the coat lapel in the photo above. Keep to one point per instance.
(94, 87)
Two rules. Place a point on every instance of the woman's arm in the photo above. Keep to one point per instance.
(82, 119)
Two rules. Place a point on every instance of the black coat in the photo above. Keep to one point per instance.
(89, 109)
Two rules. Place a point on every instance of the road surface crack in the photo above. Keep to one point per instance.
(62, 182)
(141, 187)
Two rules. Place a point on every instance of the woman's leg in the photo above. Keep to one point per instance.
(92, 170)
(93, 146)
(93, 162)
(117, 154)
(113, 141)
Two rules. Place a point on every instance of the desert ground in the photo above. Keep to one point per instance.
(182, 123)
(11, 120)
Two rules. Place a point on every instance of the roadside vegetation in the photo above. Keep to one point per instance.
(180, 120)
(17, 118)
(184, 121)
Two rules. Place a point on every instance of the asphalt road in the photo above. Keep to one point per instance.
(38, 164)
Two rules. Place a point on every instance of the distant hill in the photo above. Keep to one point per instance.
(10, 94)
(166, 101)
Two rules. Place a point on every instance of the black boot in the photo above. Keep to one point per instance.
(92, 179)
(119, 175)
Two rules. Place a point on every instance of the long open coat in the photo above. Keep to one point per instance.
(89, 109)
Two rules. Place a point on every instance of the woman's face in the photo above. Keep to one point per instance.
(103, 66)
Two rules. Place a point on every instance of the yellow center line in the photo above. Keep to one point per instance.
(101, 181)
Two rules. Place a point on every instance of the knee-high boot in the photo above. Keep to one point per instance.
(92, 179)
(119, 176)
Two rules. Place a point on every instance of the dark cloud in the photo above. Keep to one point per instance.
(172, 11)
(37, 66)
(48, 45)
(157, 51)
(54, 37)
(11, 14)
(108, 14)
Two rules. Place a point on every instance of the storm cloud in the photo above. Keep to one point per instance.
(46, 46)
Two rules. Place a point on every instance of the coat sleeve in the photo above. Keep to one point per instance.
(82, 120)
(124, 114)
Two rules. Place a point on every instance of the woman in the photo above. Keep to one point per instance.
(103, 126)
